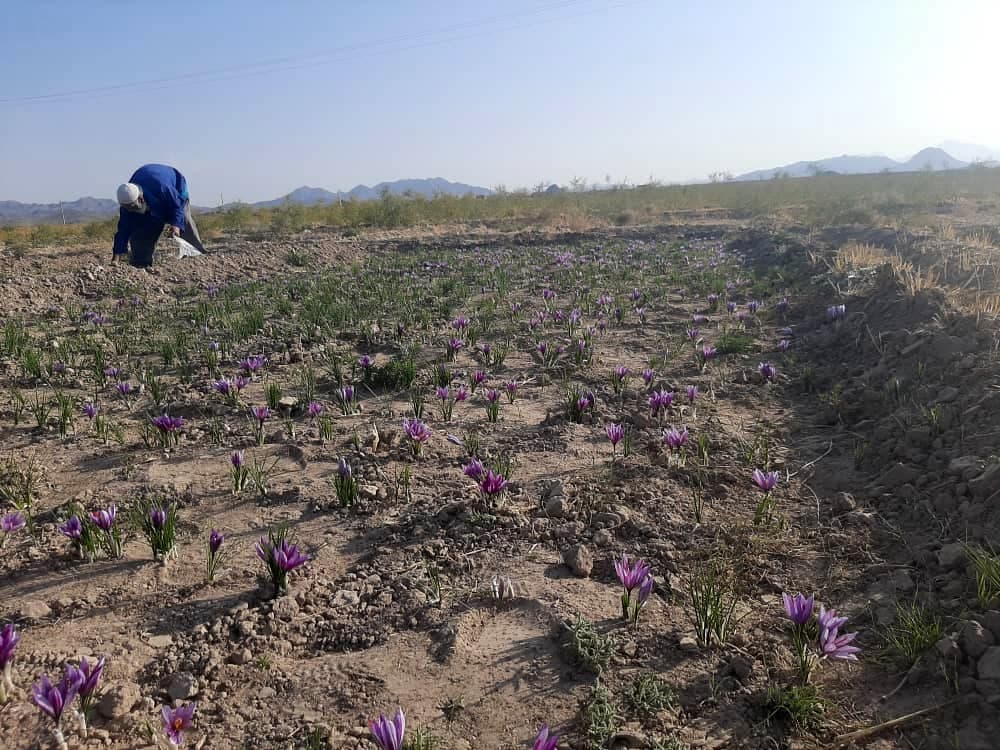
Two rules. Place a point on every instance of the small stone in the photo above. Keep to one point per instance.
(287, 403)
(991, 621)
(241, 656)
(844, 503)
(183, 686)
(266, 692)
(688, 643)
(368, 491)
(603, 538)
(951, 556)
(988, 667)
(286, 608)
(975, 639)
(118, 700)
(579, 559)
(35, 609)
(555, 507)
(346, 598)
(160, 641)
(901, 581)
(948, 648)
(741, 667)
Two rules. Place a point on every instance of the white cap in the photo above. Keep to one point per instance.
(128, 193)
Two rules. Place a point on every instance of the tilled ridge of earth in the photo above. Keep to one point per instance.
(879, 424)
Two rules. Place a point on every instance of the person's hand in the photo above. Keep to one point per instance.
(175, 231)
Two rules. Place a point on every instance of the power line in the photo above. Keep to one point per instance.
(335, 55)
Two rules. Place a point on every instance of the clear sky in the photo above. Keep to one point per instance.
(490, 92)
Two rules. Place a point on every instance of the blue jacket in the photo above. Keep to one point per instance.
(166, 193)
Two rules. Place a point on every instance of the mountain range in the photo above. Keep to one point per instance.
(86, 209)
(934, 158)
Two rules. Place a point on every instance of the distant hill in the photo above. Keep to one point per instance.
(932, 158)
(309, 196)
(970, 152)
(89, 209)
(83, 209)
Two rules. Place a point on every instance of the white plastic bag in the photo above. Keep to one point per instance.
(185, 249)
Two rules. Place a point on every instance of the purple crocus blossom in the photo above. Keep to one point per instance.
(615, 433)
(632, 573)
(286, 556)
(827, 619)
(389, 733)
(73, 528)
(113, 373)
(798, 608)
(90, 409)
(675, 439)
(344, 468)
(474, 469)
(832, 644)
(765, 480)
(8, 642)
(648, 376)
(55, 699)
(315, 408)
(836, 312)
(416, 430)
(178, 720)
(784, 345)
(365, 362)
(105, 519)
(708, 352)
(692, 393)
(461, 393)
(767, 371)
(215, 540)
(479, 377)
(223, 386)
(260, 413)
(492, 483)
(158, 517)
(166, 423)
(124, 388)
(460, 323)
(544, 740)
(693, 333)
(11, 522)
(236, 459)
(492, 395)
(90, 674)
(251, 365)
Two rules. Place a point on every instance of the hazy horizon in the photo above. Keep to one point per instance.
(252, 100)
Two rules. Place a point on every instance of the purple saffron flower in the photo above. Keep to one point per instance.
(260, 413)
(443, 393)
(836, 312)
(90, 677)
(753, 306)
(158, 517)
(675, 439)
(832, 644)
(8, 642)
(692, 393)
(113, 373)
(168, 424)
(236, 459)
(55, 699)
(344, 468)
(545, 741)
(90, 409)
(474, 469)
(648, 376)
(798, 608)
(213, 346)
(713, 299)
(346, 394)
(365, 362)
(782, 306)
(510, 387)
(461, 393)
(178, 720)
(104, 519)
(215, 540)
(251, 365)
(492, 483)
(240, 382)
(615, 433)
(492, 395)
(288, 556)
(621, 372)
(389, 733)
(698, 319)
(478, 377)
(416, 430)
(708, 352)
(124, 388)
(548, 294)
(460, 323)
(454, 345)
(828, 620)
(632, 573)
(58, 367)
(223, 386)
(11, 522)
(693, 333)
(765, 480)
(784, 345)
(767, 371)
(73, 528)
(315, 408)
